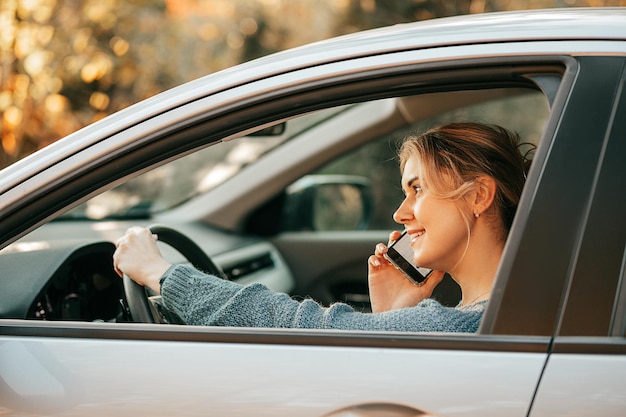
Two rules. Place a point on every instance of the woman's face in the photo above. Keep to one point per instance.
(439, 234)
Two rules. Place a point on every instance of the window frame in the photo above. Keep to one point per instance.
(181, 140)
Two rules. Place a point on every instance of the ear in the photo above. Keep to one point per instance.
(484, 194)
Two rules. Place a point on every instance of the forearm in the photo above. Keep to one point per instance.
(201, 299)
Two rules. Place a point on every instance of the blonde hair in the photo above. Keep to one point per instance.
(452, 156)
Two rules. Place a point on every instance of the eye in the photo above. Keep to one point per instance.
(412, 187)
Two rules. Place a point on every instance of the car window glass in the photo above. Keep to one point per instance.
(170, 185)
(376, 162)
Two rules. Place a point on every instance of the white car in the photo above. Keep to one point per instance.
(282, 171)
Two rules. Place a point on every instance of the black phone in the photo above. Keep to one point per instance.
(400, 254)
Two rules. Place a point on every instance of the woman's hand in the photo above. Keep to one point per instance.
(389, 288)
(138, 256)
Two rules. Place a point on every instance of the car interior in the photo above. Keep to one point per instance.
(297, 205)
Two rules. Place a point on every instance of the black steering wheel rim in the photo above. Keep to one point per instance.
(136, 296)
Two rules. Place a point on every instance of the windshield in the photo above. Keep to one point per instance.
(172, 184)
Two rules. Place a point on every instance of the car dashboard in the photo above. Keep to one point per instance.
(71, 280)
(74, 279)
(84, 288)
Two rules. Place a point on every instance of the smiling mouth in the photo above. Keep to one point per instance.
(416, 235)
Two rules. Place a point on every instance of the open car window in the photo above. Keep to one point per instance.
(369, 131)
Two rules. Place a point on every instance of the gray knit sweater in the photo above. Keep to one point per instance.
(201, 299)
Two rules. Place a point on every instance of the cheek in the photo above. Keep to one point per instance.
(446, 234)
(451, 226)
(446, 225)
(422, 208)
(441, 218)
(432, 212)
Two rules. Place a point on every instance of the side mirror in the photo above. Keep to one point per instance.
(328, 202)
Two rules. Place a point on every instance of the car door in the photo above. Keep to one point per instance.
(72, 368)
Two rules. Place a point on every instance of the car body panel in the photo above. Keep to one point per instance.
(589, 379)
(334, 377)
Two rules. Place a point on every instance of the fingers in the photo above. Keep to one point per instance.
(132, 238)
(116, 263)
(137, 256)
(376, 260)
(393, 236)
(135, 236)
(380, 249)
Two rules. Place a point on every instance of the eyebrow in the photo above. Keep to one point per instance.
(411, 181)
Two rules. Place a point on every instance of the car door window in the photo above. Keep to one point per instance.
(520, 106)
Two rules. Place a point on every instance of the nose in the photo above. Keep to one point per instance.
(404, 213)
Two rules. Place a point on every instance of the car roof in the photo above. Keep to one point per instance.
(545, 24)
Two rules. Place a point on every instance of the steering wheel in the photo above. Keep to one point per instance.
(136, 296)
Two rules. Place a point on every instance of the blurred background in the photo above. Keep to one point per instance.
(67, 63)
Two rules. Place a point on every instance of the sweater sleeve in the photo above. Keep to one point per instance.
(201, 299)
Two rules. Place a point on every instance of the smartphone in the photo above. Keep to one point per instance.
(400, 254)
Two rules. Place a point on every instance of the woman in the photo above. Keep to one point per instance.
(462, 184)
